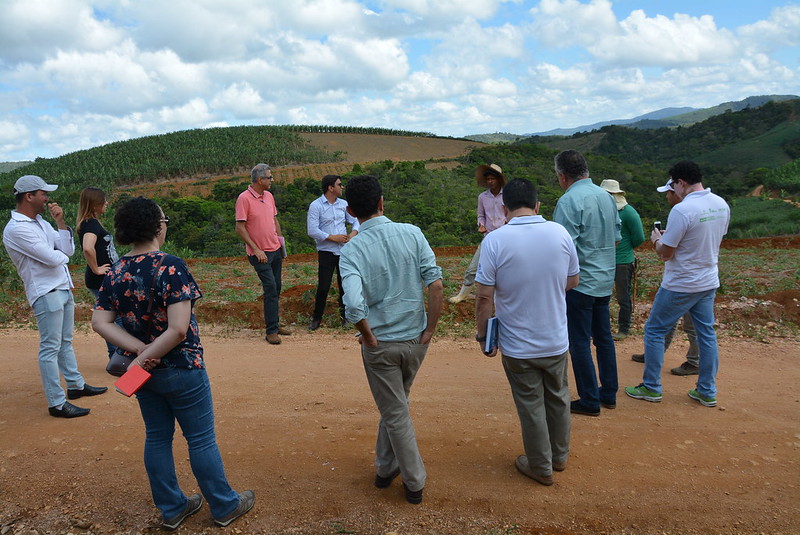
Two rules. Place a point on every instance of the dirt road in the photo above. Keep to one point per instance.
(296, 423)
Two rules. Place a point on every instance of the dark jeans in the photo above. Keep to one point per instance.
(623, 282)
(328, 263)
(588, 321)
(270, 274)
(174, 394)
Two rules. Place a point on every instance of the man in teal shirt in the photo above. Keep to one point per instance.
(385, 269)
(590, 216)
(632, 237)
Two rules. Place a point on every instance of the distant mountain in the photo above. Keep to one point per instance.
(5, 167)
(652, 116)
(671, 117)
(497, 137)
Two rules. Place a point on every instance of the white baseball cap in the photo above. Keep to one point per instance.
(666, 187)
(28, 183)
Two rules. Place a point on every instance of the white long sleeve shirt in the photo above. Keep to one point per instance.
(40, 254)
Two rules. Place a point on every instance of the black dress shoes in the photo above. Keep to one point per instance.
(314, 325)
(68, 411)
(86, 391)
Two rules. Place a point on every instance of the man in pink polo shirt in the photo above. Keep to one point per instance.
(257, 225)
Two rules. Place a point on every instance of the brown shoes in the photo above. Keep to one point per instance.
(273, 338)
(283, 331)
(525, 469)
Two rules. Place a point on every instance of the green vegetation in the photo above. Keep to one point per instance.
(728, 146)
(753, 217)
(785, 178)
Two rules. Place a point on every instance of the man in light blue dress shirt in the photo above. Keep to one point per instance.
(385, 270)
(590, 216)
(327, 224)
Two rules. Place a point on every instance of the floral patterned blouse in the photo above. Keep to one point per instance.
(126, 290)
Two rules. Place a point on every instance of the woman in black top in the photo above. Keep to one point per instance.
(97, 243)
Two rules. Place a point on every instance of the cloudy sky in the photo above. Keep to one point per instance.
(80, 73)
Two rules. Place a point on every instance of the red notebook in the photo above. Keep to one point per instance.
(132, 380)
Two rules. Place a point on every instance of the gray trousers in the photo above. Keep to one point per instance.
(541, 393)
(472, 268)
(693, 353)
(391, 368)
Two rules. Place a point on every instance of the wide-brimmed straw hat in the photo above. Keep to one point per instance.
(493, 169)
(611, 186)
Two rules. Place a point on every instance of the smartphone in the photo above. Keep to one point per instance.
(657, 225)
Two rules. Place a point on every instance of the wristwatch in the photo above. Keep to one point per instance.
(480, 338)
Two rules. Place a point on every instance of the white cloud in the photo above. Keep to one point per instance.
(13, 136)
(78, 73)
(33, 29)
(782, 29)
(663, 41)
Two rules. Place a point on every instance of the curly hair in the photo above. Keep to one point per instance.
(363, 194)
(137, 221)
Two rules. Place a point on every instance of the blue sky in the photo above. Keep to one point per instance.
(80, 73)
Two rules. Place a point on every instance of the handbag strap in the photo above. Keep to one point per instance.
(152, 293)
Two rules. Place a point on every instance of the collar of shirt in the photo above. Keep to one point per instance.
(369, 223)
(256, 195)
(526, 220)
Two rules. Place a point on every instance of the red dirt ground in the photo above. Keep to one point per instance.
(297, 424)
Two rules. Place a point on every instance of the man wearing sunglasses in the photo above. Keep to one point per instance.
(690, 250)
(257, 225)
(327, 223)
(41, 254)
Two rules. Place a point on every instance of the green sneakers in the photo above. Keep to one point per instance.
(708, 402)
(642, 392)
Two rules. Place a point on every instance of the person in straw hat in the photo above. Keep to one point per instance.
(491, 216)
(632, 237)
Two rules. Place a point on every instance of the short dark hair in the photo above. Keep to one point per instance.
(328, 181)
(363, 194)
(571, 163)
(137, 221)
(687, 171)
(519, 193)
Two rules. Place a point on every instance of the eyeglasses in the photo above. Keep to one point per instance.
(165, 220)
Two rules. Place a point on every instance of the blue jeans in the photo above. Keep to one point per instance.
(269, 273)
(589, 320)
(111, 347)
(55, 317)
(668, 307)
(183, 395)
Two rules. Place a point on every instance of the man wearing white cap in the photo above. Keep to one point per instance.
(690, 249)
(40, 254)
(632, 237)
(692, 364)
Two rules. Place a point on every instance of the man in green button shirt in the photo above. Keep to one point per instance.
(590, 216)
(632, 237)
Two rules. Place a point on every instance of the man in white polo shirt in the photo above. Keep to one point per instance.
(525, 269)
(40, 254)
(690, 249)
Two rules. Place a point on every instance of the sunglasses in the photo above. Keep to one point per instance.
(165, 220)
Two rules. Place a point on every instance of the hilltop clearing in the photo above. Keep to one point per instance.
(359, 149)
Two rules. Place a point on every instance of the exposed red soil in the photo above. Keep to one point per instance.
(297, 424)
